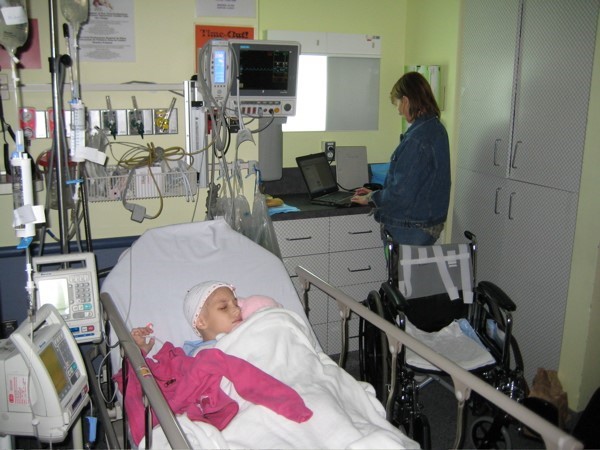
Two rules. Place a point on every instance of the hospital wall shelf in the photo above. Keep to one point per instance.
(110, 87)
(143, 184)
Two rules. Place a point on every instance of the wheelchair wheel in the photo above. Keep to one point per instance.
(485, 433)
(421, 431)
(373, 350)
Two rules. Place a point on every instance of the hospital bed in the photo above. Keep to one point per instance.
(148, 285)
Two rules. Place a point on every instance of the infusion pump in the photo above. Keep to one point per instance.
(43, 385)
(70, 283)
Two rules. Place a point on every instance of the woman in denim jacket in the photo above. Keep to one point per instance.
(413, 204)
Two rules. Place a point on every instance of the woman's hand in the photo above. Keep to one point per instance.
(143, 338)
(362, 195)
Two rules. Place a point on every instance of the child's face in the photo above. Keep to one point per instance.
(220, 314)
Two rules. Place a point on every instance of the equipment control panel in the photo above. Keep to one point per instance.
(69, 283)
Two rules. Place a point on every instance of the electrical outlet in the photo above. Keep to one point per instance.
(329, 150)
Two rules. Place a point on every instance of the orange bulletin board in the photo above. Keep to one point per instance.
(205, 33)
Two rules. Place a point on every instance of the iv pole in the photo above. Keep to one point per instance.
(60, 145)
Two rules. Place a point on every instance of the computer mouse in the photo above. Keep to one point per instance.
(373, 186)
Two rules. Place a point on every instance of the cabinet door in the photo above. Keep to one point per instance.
(555, 67)
(536, 266)
(490, 31)
(525, 236)
(479, 207)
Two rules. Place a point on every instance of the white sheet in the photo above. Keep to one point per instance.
(346, 413)
(452, 343)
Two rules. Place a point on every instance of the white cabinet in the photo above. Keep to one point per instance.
(526, 73)
(522, 129)
(525, 235)
(344, 250)
(488, 65)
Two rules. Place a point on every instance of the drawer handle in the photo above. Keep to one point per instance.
(299, 238)
(360, 232)
(366, 269)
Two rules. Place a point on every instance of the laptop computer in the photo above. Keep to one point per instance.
(320, 182)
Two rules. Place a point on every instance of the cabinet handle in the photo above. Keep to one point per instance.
(496, 142)
(510, 205)
(365, 269)
(360, 232)
(514, 155)
(497, 201)
(299, 238)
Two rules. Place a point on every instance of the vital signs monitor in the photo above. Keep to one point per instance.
(267, 72)
(252, 78)
(70, 284)
(44, 385)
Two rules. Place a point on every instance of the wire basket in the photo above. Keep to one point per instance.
(143, 184)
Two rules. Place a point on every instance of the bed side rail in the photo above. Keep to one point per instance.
(464, 382)
(165, 416)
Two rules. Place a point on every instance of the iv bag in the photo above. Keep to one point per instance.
(75, 12)
(14, 25)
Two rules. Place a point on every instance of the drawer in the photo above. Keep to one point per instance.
(353, 233)
(318, 303)
(317, 264)
(303, 236)
(357, 267)
(317, 300)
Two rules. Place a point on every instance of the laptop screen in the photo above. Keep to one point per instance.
(317, 174)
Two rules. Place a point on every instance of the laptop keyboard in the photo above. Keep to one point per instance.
(337, 197)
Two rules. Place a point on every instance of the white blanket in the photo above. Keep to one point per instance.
(346, 413)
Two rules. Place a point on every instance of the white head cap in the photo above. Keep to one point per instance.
(196, 297)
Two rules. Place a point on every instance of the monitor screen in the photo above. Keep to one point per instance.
(266, 68)
(55, 291)
(54, 368)
(220, 66)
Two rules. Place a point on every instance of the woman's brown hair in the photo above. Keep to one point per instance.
(414, 86)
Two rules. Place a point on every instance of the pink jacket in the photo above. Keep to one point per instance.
(192, 385)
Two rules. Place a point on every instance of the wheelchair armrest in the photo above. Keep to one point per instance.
(493, 294)
(395, 297)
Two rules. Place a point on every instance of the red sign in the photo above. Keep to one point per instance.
(205, 33)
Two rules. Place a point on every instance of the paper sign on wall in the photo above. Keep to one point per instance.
(226, 8)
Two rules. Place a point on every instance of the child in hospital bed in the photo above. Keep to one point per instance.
(190, 383)
(212, 309)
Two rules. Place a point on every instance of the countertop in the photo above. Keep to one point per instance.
(292, 190)
(309, 210)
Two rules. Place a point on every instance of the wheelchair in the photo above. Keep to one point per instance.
(427, 295)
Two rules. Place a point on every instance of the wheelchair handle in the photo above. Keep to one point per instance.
(470, 236)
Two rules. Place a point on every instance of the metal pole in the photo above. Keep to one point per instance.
(59, 136)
